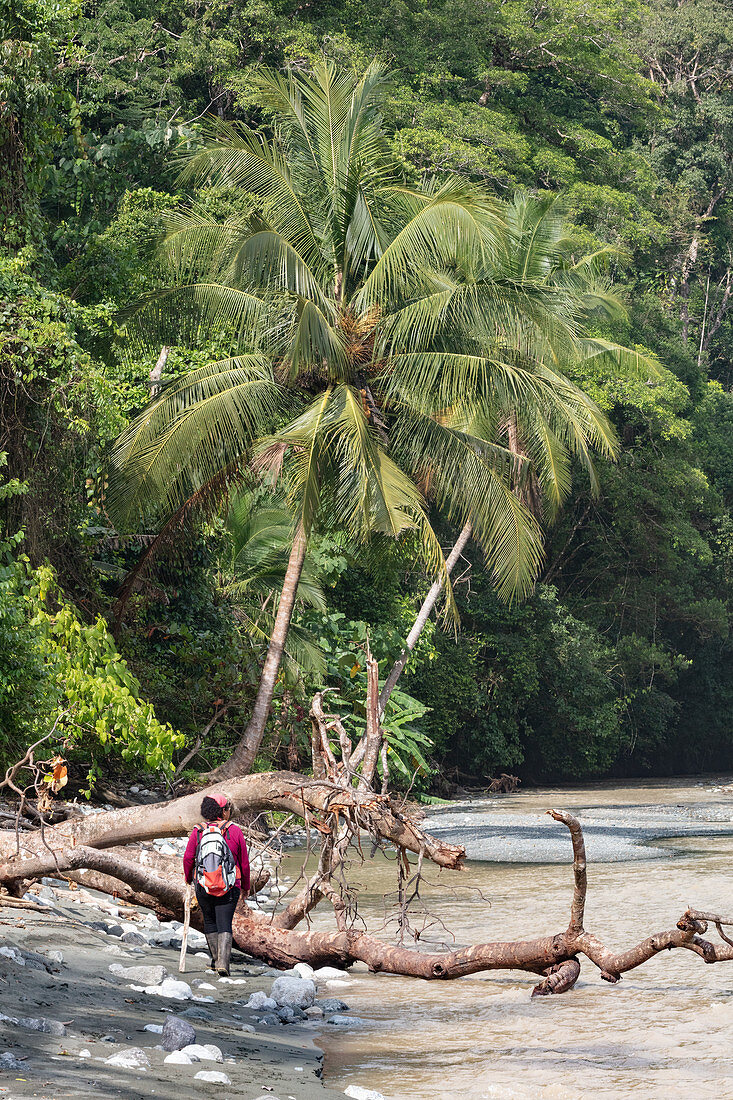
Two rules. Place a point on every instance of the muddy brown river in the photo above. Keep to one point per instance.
(666, 1030)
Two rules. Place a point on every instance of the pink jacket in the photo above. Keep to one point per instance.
(237, 846)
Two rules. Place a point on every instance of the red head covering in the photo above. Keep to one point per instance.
(221, 800)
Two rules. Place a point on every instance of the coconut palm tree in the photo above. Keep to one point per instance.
(260, 536)
(365, 313)
(540, 251)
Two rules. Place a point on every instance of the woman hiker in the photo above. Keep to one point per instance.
(216, 861)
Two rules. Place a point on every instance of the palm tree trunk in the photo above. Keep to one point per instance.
(423, 615)
(241, 760)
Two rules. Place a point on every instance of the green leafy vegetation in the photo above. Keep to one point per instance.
(496, 292)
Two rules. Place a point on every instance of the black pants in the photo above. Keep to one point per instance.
(217, 912)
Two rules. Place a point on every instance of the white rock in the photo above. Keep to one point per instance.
(132, 1058)
(179, 1057)
(84, 1054)
(260, 1000)
(147, 975)
(356, 1092)
(336, 983)
(13, 955)
(325, 973)
(248, 1028)
(156, 1029)
(304, 970)
(344, 1021)
(177, 991)
(206, 985)
(55, 957)
(167, 850)
(294, 992)
(204, 1052)
(215, 1077)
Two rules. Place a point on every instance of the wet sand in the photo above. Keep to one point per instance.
(104, 1015)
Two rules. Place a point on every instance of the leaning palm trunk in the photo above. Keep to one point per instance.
(423, 615)
(242, 759)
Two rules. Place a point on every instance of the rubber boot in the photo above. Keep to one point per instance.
(224, 954)
(212, 939)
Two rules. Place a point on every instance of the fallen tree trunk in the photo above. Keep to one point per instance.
(339, 804)
(317, 801)
(553, 957)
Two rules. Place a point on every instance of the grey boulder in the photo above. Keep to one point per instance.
(133, 938)
(143, 975)
(294, 992)
(9, 1061)
(40, 1023)
(132, 1058)
(332, 1004)
(177, 1033)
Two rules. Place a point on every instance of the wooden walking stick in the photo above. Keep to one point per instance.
(186, 922)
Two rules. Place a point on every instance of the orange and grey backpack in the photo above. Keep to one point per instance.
(215, 870)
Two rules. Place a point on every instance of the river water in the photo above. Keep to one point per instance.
(666, 1030)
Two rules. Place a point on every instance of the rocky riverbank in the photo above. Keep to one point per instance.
(92, 1004)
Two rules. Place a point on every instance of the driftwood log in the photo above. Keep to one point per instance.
(340, 804)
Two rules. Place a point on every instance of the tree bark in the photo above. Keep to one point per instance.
(318, 802)
(242, 759)
(553, 957)
(422, 617)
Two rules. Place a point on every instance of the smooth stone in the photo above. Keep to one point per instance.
(314, 1012)
(304, 971)
(205, 985)
(248, 1028)
(177, 1033)
(214, 1077)
(177, 1057)
(118, 932)
(177, 991)
(157, 1029)
(135, 939)
(84, 1054)
(56, 957)
(344, 1021)
(260, 1000)
(325, 973)
(356, 1092)
(269, 1019)
(40, 1023)
(194, 1013)
(132, 1058)
(145, 975)
(293, 992)
(205, 1052)
(333, 1004)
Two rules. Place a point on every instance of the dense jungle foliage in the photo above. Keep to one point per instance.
(618, 661)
